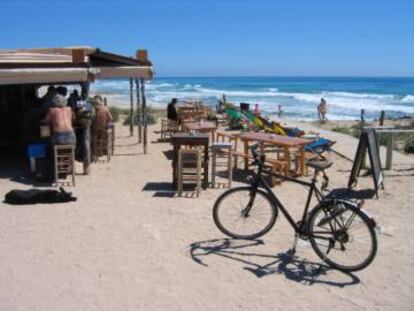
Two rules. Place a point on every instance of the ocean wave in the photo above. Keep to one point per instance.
(238, 93)
(341, 104)
(408, 99)
(361, 95)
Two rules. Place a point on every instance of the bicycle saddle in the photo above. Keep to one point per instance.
(320, 165)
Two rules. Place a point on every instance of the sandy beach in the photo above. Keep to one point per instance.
(307, 82)
(128, 243)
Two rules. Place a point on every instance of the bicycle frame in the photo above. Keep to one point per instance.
(260, 182)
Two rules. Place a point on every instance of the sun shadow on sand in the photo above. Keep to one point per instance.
(128, 154)
(291, 267)
(15, 168)
(166, 190)
(160, 189)
(351, 194)
(169, 154)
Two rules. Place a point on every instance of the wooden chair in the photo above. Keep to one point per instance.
(189, 169)
(168, 128)
(64, 160)
(164, 126)
(219, 152)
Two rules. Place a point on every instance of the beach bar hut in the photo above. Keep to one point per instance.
(23, 71)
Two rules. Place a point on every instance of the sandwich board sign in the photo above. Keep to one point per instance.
(367, 142)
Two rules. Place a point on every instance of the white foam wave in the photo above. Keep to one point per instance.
(361, 95)
(300, 103)
(238, 93)
(408, 99)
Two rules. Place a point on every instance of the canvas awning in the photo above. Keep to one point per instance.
(69, 64)
(43, 75)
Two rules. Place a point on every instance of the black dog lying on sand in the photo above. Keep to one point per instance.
(33, 196)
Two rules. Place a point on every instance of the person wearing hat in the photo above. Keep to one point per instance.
(60, 118)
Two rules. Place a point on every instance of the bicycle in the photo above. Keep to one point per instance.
(340, 233)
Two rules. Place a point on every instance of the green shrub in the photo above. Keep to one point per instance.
(151, 117)
(342, 129)
(409, 145)
(116, 112)
(383, 139)
(356, 128)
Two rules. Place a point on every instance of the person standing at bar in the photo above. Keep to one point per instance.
(172, 110)
(60, 117)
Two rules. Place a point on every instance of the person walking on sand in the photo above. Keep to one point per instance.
(279, 111)
(322, 110)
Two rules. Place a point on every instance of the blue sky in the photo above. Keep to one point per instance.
(227, 37)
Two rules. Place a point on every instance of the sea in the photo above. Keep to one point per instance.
(297, 96)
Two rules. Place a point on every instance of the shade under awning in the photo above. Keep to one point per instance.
(143, 72)
(42, 75)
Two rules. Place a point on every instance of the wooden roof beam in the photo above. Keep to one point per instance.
(78, 56)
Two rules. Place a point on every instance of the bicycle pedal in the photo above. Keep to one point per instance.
(291, 252)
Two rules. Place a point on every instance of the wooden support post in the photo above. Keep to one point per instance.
(131, 112)
(139, 110)
(390, 144)
(144, 115)
(85, 90)
(361, 125)
(381, 118)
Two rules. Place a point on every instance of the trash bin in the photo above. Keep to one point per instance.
(35, 151)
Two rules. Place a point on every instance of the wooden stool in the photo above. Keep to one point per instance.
(109, 144)
(222, 151)
(277, 166)
(103, 144)
(189, 169)
(64, 156)
(111, 127)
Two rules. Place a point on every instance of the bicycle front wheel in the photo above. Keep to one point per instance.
(244, 213)
(342, 235)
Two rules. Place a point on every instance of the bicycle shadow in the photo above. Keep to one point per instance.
(290, 266)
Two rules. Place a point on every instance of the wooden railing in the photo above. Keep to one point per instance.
(390, 131)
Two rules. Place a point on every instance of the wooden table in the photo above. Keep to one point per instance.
(186, 139)
(284, 142)
(201, 127)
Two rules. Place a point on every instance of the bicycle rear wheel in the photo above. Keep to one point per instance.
(342, 235)
(244, 213)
